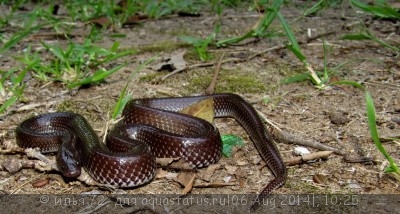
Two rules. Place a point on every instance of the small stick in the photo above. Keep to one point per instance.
(205, 185)
(211, 87)
(294, 139)
(309, 157)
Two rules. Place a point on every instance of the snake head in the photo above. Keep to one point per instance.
(67, 162)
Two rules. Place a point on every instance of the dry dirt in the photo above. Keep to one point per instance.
(335, 116)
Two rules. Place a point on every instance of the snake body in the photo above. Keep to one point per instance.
(150, 128)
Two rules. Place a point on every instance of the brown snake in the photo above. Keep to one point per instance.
(158, 130)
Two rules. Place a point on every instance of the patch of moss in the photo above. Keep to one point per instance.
(241, 83)
(230, 81)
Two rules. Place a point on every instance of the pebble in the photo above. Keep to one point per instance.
(299, 151)
(12, 165)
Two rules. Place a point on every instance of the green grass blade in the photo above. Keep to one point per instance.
(8, 103)
(117, 55)
(380, 10)
(360, 36)
(294, 45)
(315, 8)
(269, 17)
(98, 76)
(296, 78)
(260, 29)
(18, 36)
(374, 134)
(123, 96)
(346, 82)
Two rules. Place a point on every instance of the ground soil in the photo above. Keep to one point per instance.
(334, 116)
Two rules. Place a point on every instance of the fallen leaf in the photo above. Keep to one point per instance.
(165, 161)
(210, 171)
(186, 179)
(189, 185)
(165, 174)
(101, 21)
(181, 164)
(172, 63)
(135, 20)
(203, 109)
(41, 182)
(231, 169)
(319, 179)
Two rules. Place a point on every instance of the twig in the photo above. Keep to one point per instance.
(214, 185)
(211, 87)
(306, 158)
(294, 139)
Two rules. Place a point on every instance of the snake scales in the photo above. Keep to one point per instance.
(158, 130)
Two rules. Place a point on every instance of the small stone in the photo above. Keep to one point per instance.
(12, 165)
(241, 162)
(354, 186)
(227, 179)
(299, 151)
(255, 159)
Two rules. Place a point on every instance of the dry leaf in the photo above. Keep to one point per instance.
(231, 169)
(203, 109)
(165, 174)
(165, 161)
(189, 185)
(174, 62)
(319, 179)
(181, 164)
(41, 182)
(186, 179)
(210, 171)
(135, 20)
(101, 21)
